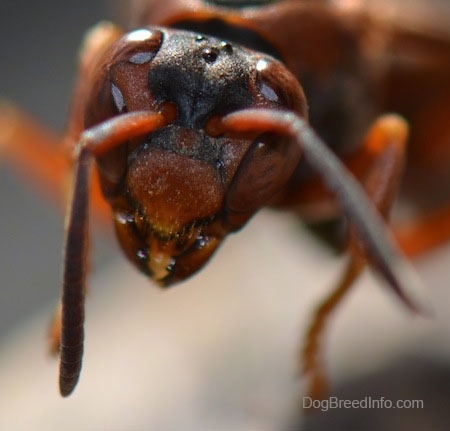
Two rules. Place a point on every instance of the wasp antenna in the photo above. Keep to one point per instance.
(94, 141)
(74, 275)
(379, 245)
(114, 132)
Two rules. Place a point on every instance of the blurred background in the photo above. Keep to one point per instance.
(218, 353)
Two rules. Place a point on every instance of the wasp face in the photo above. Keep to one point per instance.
(179, 191)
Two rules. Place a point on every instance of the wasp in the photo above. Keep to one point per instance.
(202, 113)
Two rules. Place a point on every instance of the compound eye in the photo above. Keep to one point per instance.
(139, 46)
(129, 69)
(118, 85)
(277, 85)
(119, 81)
(263, 172)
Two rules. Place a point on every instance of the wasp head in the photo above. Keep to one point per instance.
(177, 192)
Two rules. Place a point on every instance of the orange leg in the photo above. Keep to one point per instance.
(42, 157)
(429, 163)
(378, 165)
(422, 93)
(420, 236)
(37, 154)
(34, 151)
(310, 355)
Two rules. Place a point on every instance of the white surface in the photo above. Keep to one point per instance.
(218, 352)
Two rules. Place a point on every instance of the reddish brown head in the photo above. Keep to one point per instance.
(176, 193)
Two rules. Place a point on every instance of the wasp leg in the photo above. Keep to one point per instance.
(427, 176)
(33, 151)
(311, 353)
(421, 92)
(37, 152)
(420, 236)
(378, 165)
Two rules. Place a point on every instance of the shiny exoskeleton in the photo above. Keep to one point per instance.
(176, 193)
(208, 111)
